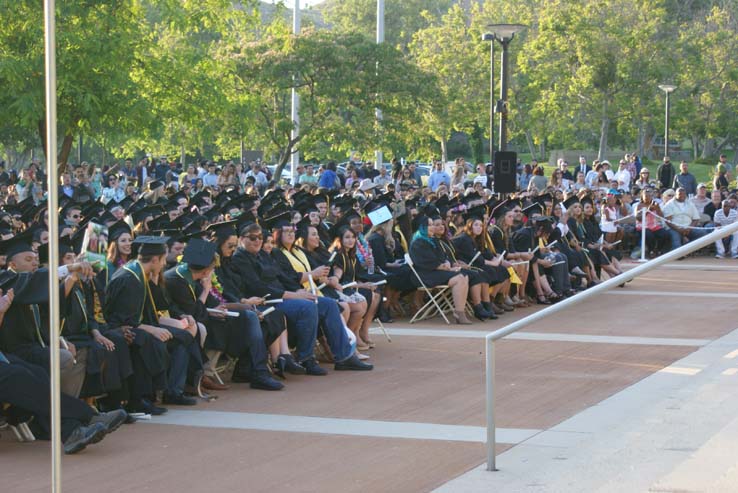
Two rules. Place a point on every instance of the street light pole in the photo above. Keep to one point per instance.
(295, 115)
(378, 156)
(504, 33)
(668, 89)
(491, 38)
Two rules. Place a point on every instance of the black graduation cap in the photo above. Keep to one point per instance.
(92, 209)
(151, 245)
(213, 215)
(154, 184)
(199, 253)
(171, 205)
(112, 204)
(71, 205)
(546, 197)
(571, 201)
(140, 215)
(106, 218)
(476, 212)
(471, 197)
(302, 227)
(125, 203)
(277, 221)
(182, 221)
(223, 229)
(117, 229)
(32, 213)
(321, 198)
(160, 222)
(200, 199)
(534, 208)
(587, 200)
(18, 244)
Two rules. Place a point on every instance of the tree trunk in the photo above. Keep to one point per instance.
(284, 157)
(695, 147)
(531, 145)
(604, 128)
(444, 150)
(66, 148)
(709, 148)
(641, 137)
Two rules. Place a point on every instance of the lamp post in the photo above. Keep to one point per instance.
(378, 157)
(491, 38)
(295, 113)
(668, 89)
(504, 33)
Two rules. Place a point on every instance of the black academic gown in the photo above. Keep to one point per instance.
(427, 256)
(466, 249)
(25, 328)
(106, 371)
(127, 304)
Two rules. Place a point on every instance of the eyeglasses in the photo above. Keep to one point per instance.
(254, 237)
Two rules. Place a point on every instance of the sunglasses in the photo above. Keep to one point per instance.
(254, 237)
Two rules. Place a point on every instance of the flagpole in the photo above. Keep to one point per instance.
(53, 206)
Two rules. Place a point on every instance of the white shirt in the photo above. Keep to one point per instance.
(721, 220)
(623, 178)
(681, 213)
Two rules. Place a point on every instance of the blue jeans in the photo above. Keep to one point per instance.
(676, 237)
(332, 325)
(302, 323)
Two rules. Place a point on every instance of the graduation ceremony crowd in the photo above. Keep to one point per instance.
(216, 267)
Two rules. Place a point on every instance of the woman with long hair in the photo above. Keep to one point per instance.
(501, 236)
(347, 268)
(587, 231)
(471, 248)
(434, 269)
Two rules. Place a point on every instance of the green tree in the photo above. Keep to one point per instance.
(95, 47)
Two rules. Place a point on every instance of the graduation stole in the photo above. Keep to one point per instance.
(349, 261)
(183, 271)
(300, 263)
(135, 268)
(403, 241)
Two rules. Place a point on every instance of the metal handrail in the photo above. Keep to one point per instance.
(490, 339)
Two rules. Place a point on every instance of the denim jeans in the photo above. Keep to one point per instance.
(330, 321)
(676, 237)
(302, 323)
(252, 357)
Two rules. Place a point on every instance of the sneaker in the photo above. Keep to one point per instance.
(83, 436)
(112, 420)
(719, 255)
(313, 368)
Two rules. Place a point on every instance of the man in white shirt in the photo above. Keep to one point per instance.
(382, 179)
(211, 178)
(623, 176)
(723, 217)
(259, 176)
(682, 217)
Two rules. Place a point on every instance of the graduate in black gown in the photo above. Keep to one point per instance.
(429, 261)
(108, 364)
(160, 359)
(189, 286)
(25, 330)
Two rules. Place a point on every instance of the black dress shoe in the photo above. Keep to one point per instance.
(179, 399)
(488, 307)
(264, 381)
(353, 363)
(313, 368)
(112, 420)
(83, 436)
(481, 313)
(287, 363)
(145, 406)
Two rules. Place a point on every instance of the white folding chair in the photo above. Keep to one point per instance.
(435, 294)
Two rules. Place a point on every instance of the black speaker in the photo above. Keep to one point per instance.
(506, 178)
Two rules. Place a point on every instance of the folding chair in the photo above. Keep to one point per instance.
(436, 294)
(21, 430)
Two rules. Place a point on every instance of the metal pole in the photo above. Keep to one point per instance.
(295, 161)
(378, 156)
(644, 211)
(503, 95)
(666, 127)
(491, 427)
(626, 276)
(492, 101)
(53, 204)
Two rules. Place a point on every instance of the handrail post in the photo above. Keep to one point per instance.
(490, 382)
(644, 211)
(626, 276)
